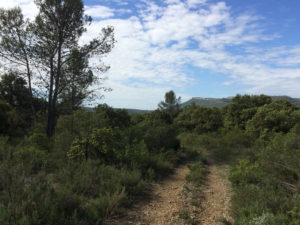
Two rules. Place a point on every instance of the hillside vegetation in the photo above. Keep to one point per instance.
(95, 163)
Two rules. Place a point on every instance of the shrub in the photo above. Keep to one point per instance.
(245, 173)
(295, 211)
(196, 174)
(161, 137)
(32, 157)
(40, 141)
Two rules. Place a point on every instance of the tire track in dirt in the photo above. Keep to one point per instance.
(167, 200)
(217, 193)
(163, 207)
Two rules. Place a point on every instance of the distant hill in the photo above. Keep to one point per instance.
(208, 102)
(221, 102)
(130, 111)
(295, 101)
(138, 111)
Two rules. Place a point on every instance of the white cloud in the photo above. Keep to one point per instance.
(119, 2)
(195, 3)
(28, 7)
(155, 46)
(99, 11)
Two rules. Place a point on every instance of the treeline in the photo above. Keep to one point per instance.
(260, 138)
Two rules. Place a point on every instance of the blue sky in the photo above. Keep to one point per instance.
(198, 48)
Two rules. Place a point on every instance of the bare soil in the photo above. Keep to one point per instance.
(166, 201)
(217, 194)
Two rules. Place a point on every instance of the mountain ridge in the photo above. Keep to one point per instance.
(221, 102)
(204, 101)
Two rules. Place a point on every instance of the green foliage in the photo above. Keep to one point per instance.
(268, 182)
(276, 117)
(13, 89)
(242, 109)
(161, 137)
(236, 138)
(50, 44)
(200, 119)
(98, 162)
(295, 212)
(9, 120)
(77, 151)
(260, 139)
(100, 144)
(114, 118)
(83, 192)
(40, 141)
(77, 79)
(171, 104)
(15, 105)
(196, 174)
(245, 172)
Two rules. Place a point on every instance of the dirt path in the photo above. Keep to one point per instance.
(163, 206)
(167, 201)
(217, 193)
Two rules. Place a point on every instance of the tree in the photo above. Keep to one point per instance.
(58, 27)
(16, 45)
(77, 80)
(279, 116)
(50, 45)
(200, 119)
(243, 108)
(171, 104)
(13, 89)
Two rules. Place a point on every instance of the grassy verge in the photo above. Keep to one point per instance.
(192, 194)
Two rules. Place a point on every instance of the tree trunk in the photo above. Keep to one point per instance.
(50, 122)
(29, 85)
(30, 94)
(53, 93)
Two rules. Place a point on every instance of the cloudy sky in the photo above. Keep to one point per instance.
(198, 48)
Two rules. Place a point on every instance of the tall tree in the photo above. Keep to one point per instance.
(48, 47)
(77, 80)
(171, 104)
(57, 29)
(16, 45)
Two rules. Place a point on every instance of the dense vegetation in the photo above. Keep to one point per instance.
(95, 163)
(260, 138)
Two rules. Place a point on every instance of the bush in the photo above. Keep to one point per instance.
(34, 158)
(196, 174)
(295, 211)
(40, 141)
(245, 173)
(161, 137)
